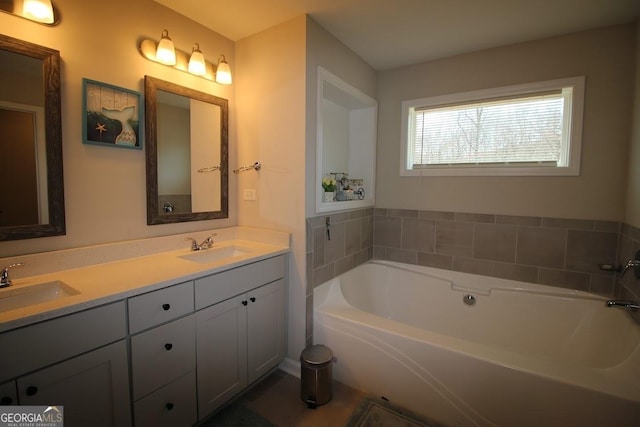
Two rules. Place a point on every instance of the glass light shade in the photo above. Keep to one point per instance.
(223, 73)
(38, 10)
(166, 52)
(197, 64)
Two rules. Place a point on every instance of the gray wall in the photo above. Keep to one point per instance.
(606, 57)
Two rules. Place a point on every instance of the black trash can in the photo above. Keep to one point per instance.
(316, 375)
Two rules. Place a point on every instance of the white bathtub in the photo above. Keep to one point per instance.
(522, 355)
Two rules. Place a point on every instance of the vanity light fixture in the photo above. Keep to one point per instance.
(38, 10)
(197, 64)
(223, 71)
(193, 63)
(166, 51)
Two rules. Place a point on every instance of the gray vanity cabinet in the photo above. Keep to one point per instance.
(8, 393)
(163, 359)
(77, 361)
(243, 337)
(93, 388)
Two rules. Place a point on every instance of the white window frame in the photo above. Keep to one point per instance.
(572, 122)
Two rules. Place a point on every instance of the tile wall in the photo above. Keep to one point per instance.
(550, 251)
(351, 244)
(628, 287)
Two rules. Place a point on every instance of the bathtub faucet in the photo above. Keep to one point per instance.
(631, 305)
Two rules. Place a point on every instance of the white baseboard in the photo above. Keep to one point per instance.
(290, 366)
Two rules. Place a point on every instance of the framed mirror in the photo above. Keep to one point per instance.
(187, 150)
(31, 179)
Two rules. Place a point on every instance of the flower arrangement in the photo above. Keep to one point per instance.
(328, 184)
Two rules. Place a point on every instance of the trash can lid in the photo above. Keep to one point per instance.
(316, 354)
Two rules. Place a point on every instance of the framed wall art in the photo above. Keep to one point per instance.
(112, 116)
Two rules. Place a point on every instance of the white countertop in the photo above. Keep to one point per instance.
(106, 282)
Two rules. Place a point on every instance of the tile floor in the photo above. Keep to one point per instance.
(277, 399)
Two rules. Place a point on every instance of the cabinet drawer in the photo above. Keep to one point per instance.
(219, 287)
(162, 354)
(32, 347)
(154, 308)
(172, 405)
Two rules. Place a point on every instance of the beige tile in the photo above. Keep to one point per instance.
(418, 234)
(435, 260)
(449, 216)
(563, 278)
(334, 248)
(402, 255)
(542, 247)
(473, 217)
(587, 249)
(531, 221)
(323, 274)
(523, 273)
(454, 238)
(573, 224)
(319, 236)
(367, 232)
(473, 266)
(387, 231)
(495, 242)
(353, 236)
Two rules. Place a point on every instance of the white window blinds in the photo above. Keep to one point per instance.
(502, 129)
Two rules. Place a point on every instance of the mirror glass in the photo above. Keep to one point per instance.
(186, 149)
(31, 182)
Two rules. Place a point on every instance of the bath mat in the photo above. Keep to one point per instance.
(236, 415)
(373, 414)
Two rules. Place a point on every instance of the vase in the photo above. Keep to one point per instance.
(328, 196)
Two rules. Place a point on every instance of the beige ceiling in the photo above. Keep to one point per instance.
(393, 33)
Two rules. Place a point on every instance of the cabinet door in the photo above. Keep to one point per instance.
(93, 388)
(221, 353)
(8, 393)
(265, 322)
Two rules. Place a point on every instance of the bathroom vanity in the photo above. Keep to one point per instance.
(155, 340)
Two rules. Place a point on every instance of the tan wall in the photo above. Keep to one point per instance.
(632, 214)
(105, 197)
(604, 56)
(271, 110)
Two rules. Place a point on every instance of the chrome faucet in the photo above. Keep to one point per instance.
(4, 275)
(633, 264)
(208, 242)
(631, 305)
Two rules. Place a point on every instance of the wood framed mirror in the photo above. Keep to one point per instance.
(187, 146)
(31, 179)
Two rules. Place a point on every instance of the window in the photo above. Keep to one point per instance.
(530, 129)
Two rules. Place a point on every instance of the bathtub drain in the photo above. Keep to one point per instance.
(469, 299)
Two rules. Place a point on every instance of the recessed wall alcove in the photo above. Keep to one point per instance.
(346, 141)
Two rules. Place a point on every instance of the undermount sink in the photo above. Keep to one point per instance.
(25, 296)
(215, 254)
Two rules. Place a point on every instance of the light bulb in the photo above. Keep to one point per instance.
(223, 72)
(166, 52)
(197, 64)
(38, 10)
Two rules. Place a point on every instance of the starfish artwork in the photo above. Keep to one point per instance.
(101, 128)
